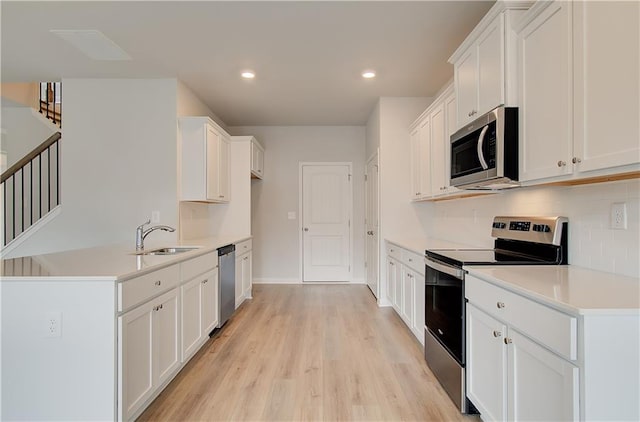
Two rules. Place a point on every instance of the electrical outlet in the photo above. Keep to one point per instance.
(53, 324)
(619, 216)
(155, 216)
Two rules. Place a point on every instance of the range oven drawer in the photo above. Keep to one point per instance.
(554, 329)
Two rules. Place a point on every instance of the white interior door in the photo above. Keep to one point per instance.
(326, 222)
(371, 224)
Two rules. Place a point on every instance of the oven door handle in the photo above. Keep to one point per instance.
(447, 269)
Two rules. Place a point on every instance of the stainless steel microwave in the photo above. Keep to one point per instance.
(484, 154)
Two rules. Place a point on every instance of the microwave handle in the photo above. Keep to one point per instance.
(483, 162)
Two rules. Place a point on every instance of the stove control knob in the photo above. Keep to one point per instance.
(500, 305)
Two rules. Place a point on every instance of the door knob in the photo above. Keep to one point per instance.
(306, 229)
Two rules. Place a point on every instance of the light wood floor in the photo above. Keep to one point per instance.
(315, 352)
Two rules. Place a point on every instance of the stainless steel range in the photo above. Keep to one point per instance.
(519, 241)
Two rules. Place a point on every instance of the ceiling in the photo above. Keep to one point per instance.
(308, 56)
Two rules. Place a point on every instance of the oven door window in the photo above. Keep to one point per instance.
(464, 152)
(444, 310)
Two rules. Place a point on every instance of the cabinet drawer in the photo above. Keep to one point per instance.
(394, 251)
(242, 247)
(413, 261)
(139, 289)
(554, 329)
(199, 265)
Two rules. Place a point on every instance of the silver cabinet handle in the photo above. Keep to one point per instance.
(158, 283)
(496, 333)
(576, 160)
(507, 340)
(562, 163)
(500, 305)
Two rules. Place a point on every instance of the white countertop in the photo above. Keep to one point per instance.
(420, 244)
(576, 290)
(105, 263)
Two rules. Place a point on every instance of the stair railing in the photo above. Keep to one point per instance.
(51, 101)
(31, 188)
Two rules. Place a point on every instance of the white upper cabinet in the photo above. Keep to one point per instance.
(578, 117)
(485, 63)
(545, 94)
(415, 163)
(257, 159)
(204, 149)
(606, 57)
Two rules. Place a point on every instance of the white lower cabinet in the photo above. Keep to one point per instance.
(148, 346)
(244, 272)
(510, 377)
(199, 311)
(405, 288)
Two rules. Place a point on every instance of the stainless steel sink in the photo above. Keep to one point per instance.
(168, 251)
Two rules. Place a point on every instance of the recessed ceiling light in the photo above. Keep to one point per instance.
(93, 44)
(248, 74)
(368, 74)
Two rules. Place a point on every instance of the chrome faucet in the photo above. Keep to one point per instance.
(141, 233)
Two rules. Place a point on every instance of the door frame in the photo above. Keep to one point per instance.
(301, 164)
(375, 157)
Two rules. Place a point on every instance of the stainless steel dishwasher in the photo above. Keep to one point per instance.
(227, 276)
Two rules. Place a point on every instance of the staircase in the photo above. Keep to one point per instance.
(30, 188)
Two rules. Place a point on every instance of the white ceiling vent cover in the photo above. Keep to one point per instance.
(93, 43)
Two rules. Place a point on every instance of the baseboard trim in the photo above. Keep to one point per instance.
(277, 281)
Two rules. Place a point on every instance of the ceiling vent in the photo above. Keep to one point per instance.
(93, 43)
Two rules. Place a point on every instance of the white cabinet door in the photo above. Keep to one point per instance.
(191, 317)
(135, 361)
(209, 301)
(606, 84)
(486, 364)
(214, 139)
(545, 93)
(425, 158)
(408, 277)
(542, 386)
(415, 163)
(397, 301)
(246, 275)
(257, 160)
(391, 281)
(466, 80)
(418, 306)
(166, 338)
(239, 291)
(224, 181)
(491, 68)
(438, 143)
(451, 127)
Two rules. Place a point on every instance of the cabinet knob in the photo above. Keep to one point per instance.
(158, 283)
(507, 340)
(204, 281)
(391, 250)
(410, 260)
(496, 333)
(221, 196)
(500, 305)
(306, 229)
(576, 160)
(562, 163)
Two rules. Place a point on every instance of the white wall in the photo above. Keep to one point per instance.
(592, 243)
(372, 132)
(189, 104)
(24, 129)
(276, 239)
(118, 163)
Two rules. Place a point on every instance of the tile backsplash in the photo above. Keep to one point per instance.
(592, 241)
